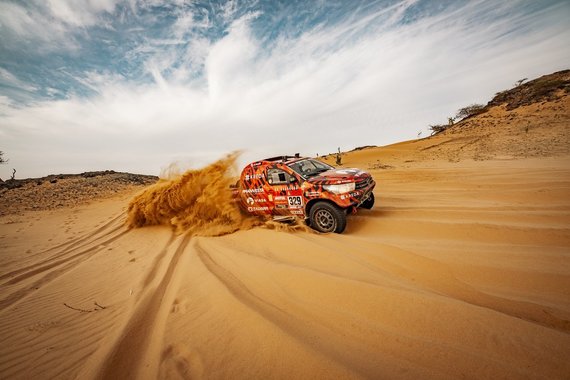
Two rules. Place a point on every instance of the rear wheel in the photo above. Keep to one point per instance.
(326, 217)
(369, 203)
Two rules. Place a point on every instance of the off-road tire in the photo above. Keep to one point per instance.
(326, 217)
(369, 203)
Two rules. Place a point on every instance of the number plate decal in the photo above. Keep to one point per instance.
(295, 201)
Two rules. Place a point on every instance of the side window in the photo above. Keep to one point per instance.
(277, 177)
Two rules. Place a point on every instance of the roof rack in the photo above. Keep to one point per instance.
(283, 158)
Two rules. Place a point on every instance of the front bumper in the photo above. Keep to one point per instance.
(358, 197)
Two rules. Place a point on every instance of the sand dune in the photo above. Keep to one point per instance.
(461, 270)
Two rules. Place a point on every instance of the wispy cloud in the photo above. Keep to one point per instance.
(79, 12)
(351, 76)
(50, 25)
(10, 80)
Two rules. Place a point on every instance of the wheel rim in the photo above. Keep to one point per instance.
(325, 220)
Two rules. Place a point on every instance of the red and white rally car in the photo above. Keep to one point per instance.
(293, 186)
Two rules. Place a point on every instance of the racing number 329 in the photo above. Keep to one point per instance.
(295, 201)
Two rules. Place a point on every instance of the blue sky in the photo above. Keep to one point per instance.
(137, 85)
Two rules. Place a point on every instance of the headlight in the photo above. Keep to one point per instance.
(340, 189)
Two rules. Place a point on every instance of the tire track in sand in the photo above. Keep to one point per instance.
(67, 247)
(348, 354)
(138, 348)
(437, 277)
(61, 263)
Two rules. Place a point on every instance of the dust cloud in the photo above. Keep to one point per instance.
(199, 202)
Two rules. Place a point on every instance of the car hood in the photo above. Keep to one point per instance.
(340, 176)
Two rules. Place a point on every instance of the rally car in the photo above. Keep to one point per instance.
(286, 187)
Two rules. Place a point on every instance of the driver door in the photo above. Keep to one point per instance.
(284, 193)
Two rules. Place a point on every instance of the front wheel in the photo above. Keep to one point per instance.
(326, 217)
(369, 203)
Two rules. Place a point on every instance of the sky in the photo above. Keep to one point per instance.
(140, 85)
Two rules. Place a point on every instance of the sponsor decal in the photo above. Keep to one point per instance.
(281, 206)
(270, 196)
(280, 198)
(312, 193)
(257, 208)
(297, 212)
(354, 194)
(254, 176)
(250, 201)
(279, 188)
(253, 191)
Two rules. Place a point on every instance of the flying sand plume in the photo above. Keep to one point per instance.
(199, 202)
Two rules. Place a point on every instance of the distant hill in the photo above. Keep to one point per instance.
(547, 88)
(530, 120)
(65, 190)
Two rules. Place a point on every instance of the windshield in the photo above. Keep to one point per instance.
(309, 167)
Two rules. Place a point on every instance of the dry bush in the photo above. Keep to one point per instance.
(469, 111)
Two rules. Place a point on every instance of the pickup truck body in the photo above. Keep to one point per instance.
(292, 186)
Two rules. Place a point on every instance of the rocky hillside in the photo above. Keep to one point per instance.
(547, 88)
(65, 190)
(530, 120)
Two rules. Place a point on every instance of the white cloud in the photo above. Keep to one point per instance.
(50, 25)
(184, 24)
(354, 83)
(230, 62)
(79, 12)
(229, 10)
(7, 78)
(28, 23)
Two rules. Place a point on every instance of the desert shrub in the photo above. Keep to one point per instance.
(538, 90)
(435, 129)
(469, 111)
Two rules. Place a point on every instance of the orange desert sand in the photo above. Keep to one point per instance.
(461, 270)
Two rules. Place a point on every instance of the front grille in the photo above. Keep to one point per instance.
(362, 184)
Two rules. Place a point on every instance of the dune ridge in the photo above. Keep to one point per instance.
(461, 270)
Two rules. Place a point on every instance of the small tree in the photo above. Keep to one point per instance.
(520, 81)
(471, 110)
(435, 129)
(2, 159)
